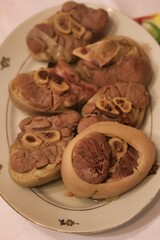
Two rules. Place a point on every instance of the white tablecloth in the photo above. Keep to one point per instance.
(12, 225)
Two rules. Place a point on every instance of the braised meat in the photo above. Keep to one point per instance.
(42, 141)
(91, 158)
(98, 158)
(123, 102)
(51, 89)
(73, 26)
(114, 59)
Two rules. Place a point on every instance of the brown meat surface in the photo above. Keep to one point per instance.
(135, 93)
(94, 20)
(24, 158)
(114, 59)
(48, 42)
(91, 158)
(95, 160)
(42, 98)
(127, 164)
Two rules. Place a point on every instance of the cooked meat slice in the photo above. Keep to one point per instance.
(51, 153)
(21, 161)
(42, 141)
(138, 95)
(68, 119)
(115, 59)
(39, 158)
(50, 90)
(123, 102)
(86, 122)
(127, 164)
(45, 28)
(91, 158)
(72, 26)
(94, 20)
(36, 123)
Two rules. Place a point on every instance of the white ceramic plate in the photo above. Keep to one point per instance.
(49, 205)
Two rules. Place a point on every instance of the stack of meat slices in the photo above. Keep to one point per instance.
(98, 97)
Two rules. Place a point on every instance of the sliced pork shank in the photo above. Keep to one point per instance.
(50, 90)
(72, 26)
(106, 160)
(36, 154)
(114, 59)
(123, 102)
